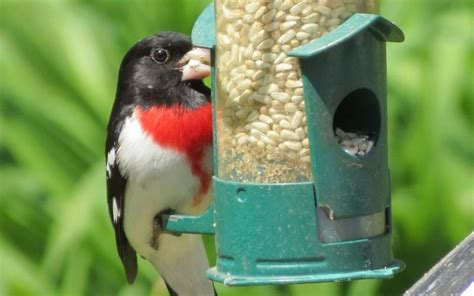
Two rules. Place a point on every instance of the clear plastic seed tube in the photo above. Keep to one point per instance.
(261, 119)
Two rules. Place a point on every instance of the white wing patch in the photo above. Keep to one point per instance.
(115, 210)
(110, 161)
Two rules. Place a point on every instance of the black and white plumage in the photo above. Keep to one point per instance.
(159, 158)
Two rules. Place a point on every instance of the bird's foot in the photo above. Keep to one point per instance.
(159, 223)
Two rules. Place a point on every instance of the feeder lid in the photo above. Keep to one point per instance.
(383, 29)
(203, 34)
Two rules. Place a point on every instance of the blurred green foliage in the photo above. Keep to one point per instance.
(58, 65)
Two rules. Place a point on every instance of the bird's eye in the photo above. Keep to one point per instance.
(160, 55)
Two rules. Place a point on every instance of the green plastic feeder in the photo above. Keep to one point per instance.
(338, 226)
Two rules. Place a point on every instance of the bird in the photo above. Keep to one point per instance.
(159, 158)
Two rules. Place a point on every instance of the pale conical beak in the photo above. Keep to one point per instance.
(195, 64)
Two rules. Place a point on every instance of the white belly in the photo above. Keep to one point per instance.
(158, 179)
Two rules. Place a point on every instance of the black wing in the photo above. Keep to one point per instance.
(116, 184)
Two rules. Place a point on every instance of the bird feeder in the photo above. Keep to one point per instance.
(301, 186)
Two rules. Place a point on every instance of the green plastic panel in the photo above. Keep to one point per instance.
(203, 34)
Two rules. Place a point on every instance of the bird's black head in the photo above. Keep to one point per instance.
(164, 69)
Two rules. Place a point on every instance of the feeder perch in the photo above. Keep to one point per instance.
(336, 225)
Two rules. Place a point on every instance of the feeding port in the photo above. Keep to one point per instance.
(357, 122)
(261, 118)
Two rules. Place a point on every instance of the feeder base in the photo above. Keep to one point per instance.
(250, 280)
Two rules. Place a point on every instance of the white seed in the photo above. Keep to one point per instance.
(232, 14)
(259, 74)
(296, 99)
(305, 143)
(295, 146)
(265, 118)
(244, 84)
(283, 67)
(261, 126)
(271, 26)
(257, 133)
(278, 117)
(268, 57)
(302, 35)
(285, 124)
(351, 135)
(257, 37)
(346, 14)
(297, 119)
(370, 145)
(287, 4)
(307, 10)
(287, 25)
(262, 65)
(252, 140)
(294, 83)
(340, 133)
(294, 43)
(303, 152)
(299, 91)
(252, 7)
(280, 15)
(289, 135)
(350, 150)
(281, 76)
(259, 13)
(234, 52)
(298, 8)
(267, 17)
(290, 17)
(261, 98)
(268, 141)
(241, 114)
(233, 94)
(333, 22)
(290, 60)
(242, 140)
(249, 73)
(287, 36)
(272, 87)
(248, 18)
(286, 48)
(338, 11)
(277, 104)
(281, 96)
(272, 111)
(334, 3)
(310, 28)
(306, 159)
(312, 18)
(280, 58)
(290, 108)
(293, 76)
(324, 10)
(266, 44)
(252, 116)
(300, 132)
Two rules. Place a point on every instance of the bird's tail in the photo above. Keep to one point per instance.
(182, 263)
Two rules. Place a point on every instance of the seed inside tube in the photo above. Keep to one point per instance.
(262, 128)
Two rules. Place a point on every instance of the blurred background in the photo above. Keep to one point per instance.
(58, 66)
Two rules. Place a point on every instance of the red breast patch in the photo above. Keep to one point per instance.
(186, 130)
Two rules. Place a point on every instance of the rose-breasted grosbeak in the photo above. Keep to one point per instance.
(159, 158)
